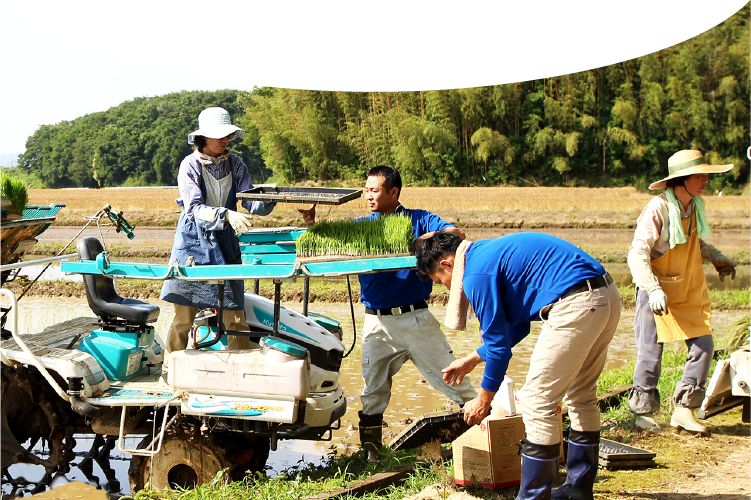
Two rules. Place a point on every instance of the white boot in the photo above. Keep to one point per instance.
(683, 419)
(647, 422)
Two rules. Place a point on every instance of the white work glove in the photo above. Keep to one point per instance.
(658, 301)
(724, 266)
(241, 223)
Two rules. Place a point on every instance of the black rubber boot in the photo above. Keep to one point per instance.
(581, 466)
(539, 470)
(371, 435)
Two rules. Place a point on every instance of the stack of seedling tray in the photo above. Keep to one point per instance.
(291, 194)
(615, 455)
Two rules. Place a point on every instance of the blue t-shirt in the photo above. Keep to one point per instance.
(400, 288)
(508, 280)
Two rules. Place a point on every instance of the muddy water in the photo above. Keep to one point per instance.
(412, 395)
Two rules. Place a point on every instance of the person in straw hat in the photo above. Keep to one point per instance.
(672, 302)
(208, 180)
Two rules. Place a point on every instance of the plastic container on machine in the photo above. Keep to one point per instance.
(278, 368)
(504, 403)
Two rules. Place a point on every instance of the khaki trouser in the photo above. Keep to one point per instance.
(177, 336)
(389, 341)
(567, 361)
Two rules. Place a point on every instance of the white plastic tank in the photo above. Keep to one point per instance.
(278, 368)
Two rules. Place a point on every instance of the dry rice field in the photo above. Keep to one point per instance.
(511, 207)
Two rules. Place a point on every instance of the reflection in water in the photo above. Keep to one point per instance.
(411, 394)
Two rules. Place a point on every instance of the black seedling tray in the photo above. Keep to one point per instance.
(614, 455)
(287, 194)
(443, 426)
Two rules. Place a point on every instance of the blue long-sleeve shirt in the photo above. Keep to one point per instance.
(508, 280)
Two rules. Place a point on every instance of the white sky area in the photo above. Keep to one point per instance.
(62, 60)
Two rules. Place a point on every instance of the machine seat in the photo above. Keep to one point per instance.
(102, 296)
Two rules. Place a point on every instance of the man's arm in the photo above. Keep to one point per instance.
(308, 215)
(455, 230)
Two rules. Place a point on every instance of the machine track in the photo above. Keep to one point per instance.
(34, 415)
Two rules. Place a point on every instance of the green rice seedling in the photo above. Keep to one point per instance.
(15, 191)
(360, 238)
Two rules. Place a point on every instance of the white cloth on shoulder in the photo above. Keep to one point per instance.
(458, 306)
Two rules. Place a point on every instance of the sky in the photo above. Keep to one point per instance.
(62, 60)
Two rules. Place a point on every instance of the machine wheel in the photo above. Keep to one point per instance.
(37, 428)
(188, 458)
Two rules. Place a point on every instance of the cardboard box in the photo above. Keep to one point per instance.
(488, 454)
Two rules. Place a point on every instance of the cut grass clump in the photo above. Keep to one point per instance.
(737, 334)
(361, 238)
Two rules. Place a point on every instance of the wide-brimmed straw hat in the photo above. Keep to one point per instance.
(215, 123)
(688, 162)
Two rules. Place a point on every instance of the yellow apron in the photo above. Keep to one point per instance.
(681, 277)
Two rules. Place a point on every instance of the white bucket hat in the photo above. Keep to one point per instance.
(215, 123)
(688, 162)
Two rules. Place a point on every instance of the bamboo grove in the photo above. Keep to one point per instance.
(610, 126)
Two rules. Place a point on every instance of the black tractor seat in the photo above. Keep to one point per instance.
(103, 298)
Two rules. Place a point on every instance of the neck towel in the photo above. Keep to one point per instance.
(676, 235)
(206, 160)
(458, 307)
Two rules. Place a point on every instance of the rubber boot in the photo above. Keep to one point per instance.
(371, 435)
(581, 466)
(647, 422)
(539, 470)
(683, 420)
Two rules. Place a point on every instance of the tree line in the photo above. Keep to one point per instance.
(609, 126)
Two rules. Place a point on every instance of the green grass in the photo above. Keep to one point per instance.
(722, 300)
(309, 480)
(381, 236)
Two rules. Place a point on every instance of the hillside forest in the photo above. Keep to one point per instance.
(610, 126)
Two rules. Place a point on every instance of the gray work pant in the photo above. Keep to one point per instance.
(389, 341)
(689, 391)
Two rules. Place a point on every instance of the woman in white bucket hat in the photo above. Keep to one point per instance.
(672, 301)
(209, 180)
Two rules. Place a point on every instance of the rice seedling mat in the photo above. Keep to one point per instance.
(339, 258)
(291, 194)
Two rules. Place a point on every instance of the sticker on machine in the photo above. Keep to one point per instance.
(246, 408)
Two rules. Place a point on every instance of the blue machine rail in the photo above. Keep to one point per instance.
(266, 254)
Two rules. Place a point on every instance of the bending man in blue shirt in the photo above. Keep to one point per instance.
(510, 281)
(398, 325)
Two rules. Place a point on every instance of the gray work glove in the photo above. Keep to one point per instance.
(241, 223)
(658, 301)
(724, 266)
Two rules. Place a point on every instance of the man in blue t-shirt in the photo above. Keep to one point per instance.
(398, 325)
(511, 281)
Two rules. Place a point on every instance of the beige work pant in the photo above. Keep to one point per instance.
(177, 336)
(389, 341)
(567, 361)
